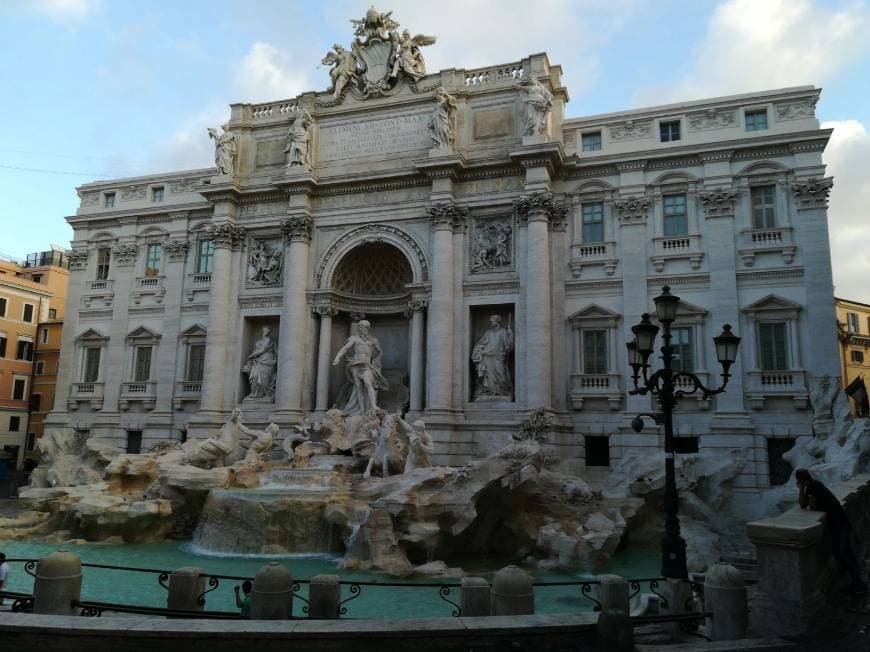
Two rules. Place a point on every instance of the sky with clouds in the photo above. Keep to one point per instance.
(110, 88)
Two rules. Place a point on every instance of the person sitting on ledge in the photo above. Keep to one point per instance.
(815, 495)
(244, 604)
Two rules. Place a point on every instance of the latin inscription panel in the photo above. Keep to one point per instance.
(375, 137)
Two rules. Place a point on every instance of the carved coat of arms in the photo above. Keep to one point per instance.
(379, 57)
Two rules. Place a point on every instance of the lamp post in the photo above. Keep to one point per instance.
(663, 385)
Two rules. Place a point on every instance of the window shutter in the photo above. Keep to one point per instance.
(92, 365)
(142, 371)
(195, 362)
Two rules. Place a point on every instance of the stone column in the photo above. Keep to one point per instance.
(272, 593)
(114, 368)
(439, 343)
(416, 308)
(167, 361)
(474, 597)
(225, 237)
(538, 210)
(58, 584)
(291, 349)
(324, 351)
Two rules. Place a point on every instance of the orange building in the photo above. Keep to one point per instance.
(853, 325)
(32, 301)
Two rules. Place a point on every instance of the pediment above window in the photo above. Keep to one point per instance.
(773, 306)
(143, 335)
(92, 336)
(197, 330)
(594, 315)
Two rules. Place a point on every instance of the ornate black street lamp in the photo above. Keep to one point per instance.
(668, 387)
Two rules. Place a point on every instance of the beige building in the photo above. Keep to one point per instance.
(853, 326)
(32, 300)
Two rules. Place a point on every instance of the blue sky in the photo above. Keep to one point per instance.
(107, 88)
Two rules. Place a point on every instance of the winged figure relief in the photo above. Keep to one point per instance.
(408, 56)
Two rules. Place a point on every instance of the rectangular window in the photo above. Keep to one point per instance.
(35, 400)
(676, 220)
(206, 255)
(2, 307)
(36, 278)
(134, 442)
(40, 368)
(756, 120)
(593, 222)
(142, 364)
(685, 445)
(684, 349)
(104, 257)
(157, 193)
(852, 322)
(154, 253)
(669, 131)
(195, 362)
(858, 356)
(18, 387)
(763, 207)
(109, 199)
(14, 424)
(27, 313)
(774, 346)
(3, 345)
(778, 469)
(30, 442)
(597, 451)
(91, 370)
(52, 313)
(595, 352)
(43, 336)
(24, 350)
(591, 142)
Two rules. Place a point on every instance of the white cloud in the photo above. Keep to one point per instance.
(753, 45)
(848, 158)
(189, 147)
(267, 73)
(67, 11)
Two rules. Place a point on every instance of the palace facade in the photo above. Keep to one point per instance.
(426, 215)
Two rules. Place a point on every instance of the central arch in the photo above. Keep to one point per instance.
(372, 269)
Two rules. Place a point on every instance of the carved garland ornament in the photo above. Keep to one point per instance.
(372, 233)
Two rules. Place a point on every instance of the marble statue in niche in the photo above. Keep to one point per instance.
(491, 247)
(224, 149)
(344, 65)
(363, 368)
(491, 358)
(538, 103)
(298, 147)
(265, 264)
(261, 368)
(442, 130)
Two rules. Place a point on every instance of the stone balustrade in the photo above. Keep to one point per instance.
(506, 74)
(91, 393)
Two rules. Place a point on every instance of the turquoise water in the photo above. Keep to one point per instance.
(127, 587)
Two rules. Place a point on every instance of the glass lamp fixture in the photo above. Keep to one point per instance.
(644, 336)
(726, 346)
(666, 305)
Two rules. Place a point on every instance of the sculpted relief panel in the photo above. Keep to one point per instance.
(491, 245)
(265, 262)
(375, 137)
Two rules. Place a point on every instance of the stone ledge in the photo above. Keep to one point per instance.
(796, 528)
(110, 634)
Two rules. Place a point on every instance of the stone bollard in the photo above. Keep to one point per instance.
(324, 597)
(474, 597)
(272, 595)
(725, 596)
(615, 631)
(58, 584)
(512, 592)
(186, 584)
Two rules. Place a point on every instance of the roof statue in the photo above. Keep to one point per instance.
(379, 59)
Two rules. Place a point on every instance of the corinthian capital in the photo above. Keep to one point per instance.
(447, 215)
(813, 193)
(539, 207)
(297, 228)
(225, 236)
(719, 201)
